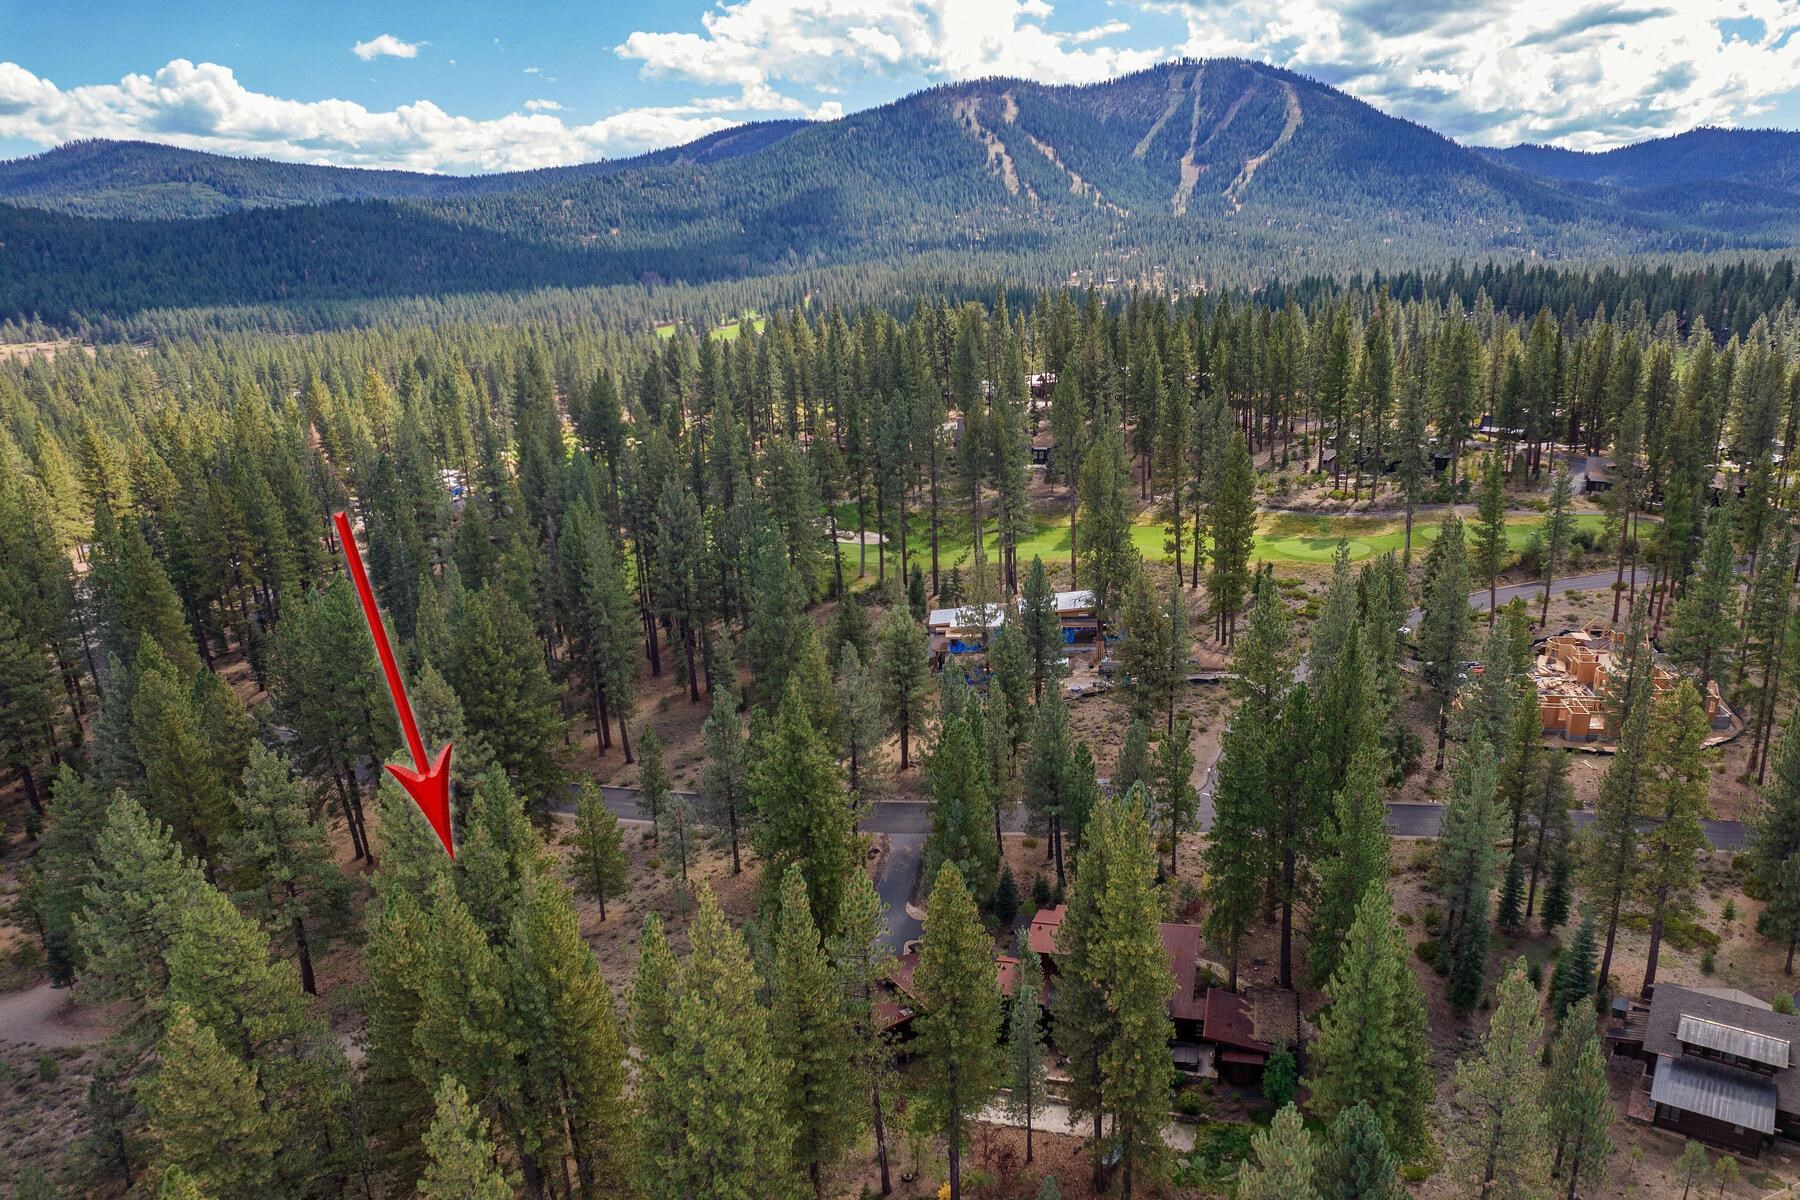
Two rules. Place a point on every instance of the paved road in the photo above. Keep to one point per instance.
(907, 821)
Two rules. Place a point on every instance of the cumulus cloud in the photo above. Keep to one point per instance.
(203, 106)
(385, 46)
(1590, 76)
(543, 106)
(823, 45)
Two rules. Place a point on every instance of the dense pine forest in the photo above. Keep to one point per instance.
(1191, 174)
(702, 561)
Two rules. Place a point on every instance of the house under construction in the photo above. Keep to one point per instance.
(1571, 673)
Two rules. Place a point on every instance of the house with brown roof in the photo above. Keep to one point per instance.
(1718, 1066)
(1216, 1031)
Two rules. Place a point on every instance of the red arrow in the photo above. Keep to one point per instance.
(429, 787)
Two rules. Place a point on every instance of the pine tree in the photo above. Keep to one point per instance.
(396, 1094)
(1692, 1167)
(1612, 856)
(1133, 765)
(1286, 1162)
(176, 1185)
(1775, 844)
(1680, 776)
(1049, 776)
(68, 861)
(280, 852)
(207, 1117)
(960, 997)
(1572, 983)
(1355, 1162)
(962, 826)
(1465, 874)
(1705, 621)
(142, 887)
(185, 784)
(711, 1116)
(1372, 1046)
(1337, 616)
(659, 982)
(1042, 628)
(904, 674)
(1025, 1042)
(1174, 798)
(862, 963)
(1490, 548)
(1104, 530)
(1233, 528)
(811, 1035)
(1579, 1102)
(1134, 975)
(599, 865)
(1497, 1145)
(1445, 624)
(802, 816)
(28, 702)
(1144, 650)
(1355, 862)
(1558, 528)
(860, 730)
(462, 1160)
(498, 672)
(655, 789)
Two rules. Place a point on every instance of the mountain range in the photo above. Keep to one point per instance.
(1195, 170)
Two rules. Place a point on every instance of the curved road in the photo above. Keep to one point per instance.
(906, 822)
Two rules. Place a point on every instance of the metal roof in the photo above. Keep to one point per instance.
(1729, 1039)
(1711, 1090)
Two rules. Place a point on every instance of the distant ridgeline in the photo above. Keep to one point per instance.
(1191, 174)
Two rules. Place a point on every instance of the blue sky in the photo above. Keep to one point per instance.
(480, 86)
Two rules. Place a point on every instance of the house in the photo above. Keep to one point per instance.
(1041, 446)
(1041, 384)
(899, 1002)
(1079, 615)
(1594, 475)
(1216, 1031)
(1718, 1065)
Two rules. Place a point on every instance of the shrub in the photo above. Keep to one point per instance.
(1040, 891)
(1729, 913)
(1433, 918)
(48, 1068)
(1706, 963)
(1191, 1103)
(1427, 951)
(1783, 1003)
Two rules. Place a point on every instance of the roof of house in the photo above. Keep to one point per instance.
(1713, 1090)
(1044, 926)
(1006, 973)
(1671, 1003)
(1762, 1048)
(1252, 1020)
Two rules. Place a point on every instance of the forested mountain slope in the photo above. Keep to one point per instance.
(1194, 172)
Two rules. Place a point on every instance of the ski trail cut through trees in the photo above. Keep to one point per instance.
(1287, 132)
(1191, 170)
(1176, 91)
(997, 157)
(1077, 184)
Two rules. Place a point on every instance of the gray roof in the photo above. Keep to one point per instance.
(1729, 1039)
(1712, 1090)
(1672, 1002)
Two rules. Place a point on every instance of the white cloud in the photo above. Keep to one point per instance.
(385, 46)
(1590, 75)
(543, 106)
(823, 45)
(204, 107)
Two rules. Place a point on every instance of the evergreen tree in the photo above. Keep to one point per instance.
(281, 854)
(712, 1121)
(1372, 1046)
(1233, 527)
(802, 816)
(1049, 778)
(1680, 775)
(1104, 531)
(1465, 874)
(1612, 855)
(960, 997)
(1558, 528)
(1133, 765)
(860, 730)
(68, 857)
(1775, 845)
(810, 1030)
(1705, 622)
(1579, 1102)
(1286, 1162)
(1355, 1162)
(1497, 1144)
(185, 782)
(498, 672)
(462, 1160)
(962, 825)
(1490, 548)
(1572, 983)
(656, 791)
(1042, 628)
(207, 1117)
(904, 674)
(862, 961)
(1692, 1167)
(1445, 624)
(1173, 797)
(1145, 647)
(1025, 1041)
(599, 865)
(1356, 860)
